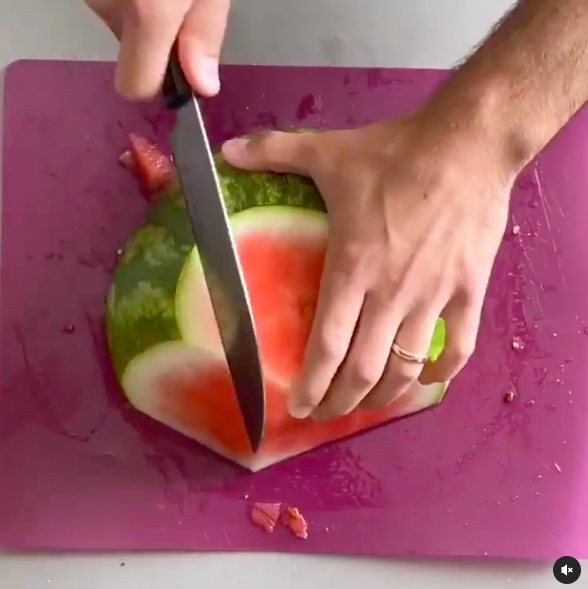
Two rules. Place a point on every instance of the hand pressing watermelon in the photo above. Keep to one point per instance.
(163, 336)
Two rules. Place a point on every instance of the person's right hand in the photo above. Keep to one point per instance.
(147, 30)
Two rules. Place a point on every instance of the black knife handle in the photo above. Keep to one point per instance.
(176, 90)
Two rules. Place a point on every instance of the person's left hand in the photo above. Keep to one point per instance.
(417, 210)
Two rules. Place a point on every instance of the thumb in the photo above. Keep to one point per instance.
(199, 44)
(148, 33)
(273, 151)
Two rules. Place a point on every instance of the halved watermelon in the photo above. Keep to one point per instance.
(165, 342)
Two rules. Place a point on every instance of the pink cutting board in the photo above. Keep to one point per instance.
(79, 469)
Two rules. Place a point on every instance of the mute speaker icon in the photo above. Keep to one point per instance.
(567, 570)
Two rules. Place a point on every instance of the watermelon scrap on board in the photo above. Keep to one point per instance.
(162, 334)
(153, 169)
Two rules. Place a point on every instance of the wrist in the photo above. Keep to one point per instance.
(484, 109)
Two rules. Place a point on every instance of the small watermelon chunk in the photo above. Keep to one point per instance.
(149, 164)
(293, 519)
(266, 515)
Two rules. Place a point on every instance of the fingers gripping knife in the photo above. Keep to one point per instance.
(212, 235)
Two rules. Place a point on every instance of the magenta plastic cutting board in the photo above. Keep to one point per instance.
(79, 469)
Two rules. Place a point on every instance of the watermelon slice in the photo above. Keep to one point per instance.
(165, 343)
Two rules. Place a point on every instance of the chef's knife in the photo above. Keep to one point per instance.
(210, 224)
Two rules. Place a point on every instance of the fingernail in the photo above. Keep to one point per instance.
(209, 75)
(234, 149)
(300, 412)
(297, 410)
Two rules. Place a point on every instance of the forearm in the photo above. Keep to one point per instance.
(526, 80)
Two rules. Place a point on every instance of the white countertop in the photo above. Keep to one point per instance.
(394, 33)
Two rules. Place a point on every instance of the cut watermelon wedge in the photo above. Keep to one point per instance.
(185, 383)
(190, 390)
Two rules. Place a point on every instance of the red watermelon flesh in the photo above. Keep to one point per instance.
(281, 251)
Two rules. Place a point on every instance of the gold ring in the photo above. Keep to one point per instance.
(408, 356)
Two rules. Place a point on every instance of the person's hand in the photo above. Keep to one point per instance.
(147, 30)
(416, 217)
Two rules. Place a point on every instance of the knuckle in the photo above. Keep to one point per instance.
(331, 346)
(363, 375)
(352, 254)
(389, 287)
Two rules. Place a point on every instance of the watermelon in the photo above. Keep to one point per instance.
(164, 340)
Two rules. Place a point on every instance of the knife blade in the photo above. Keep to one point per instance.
(218, 255)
